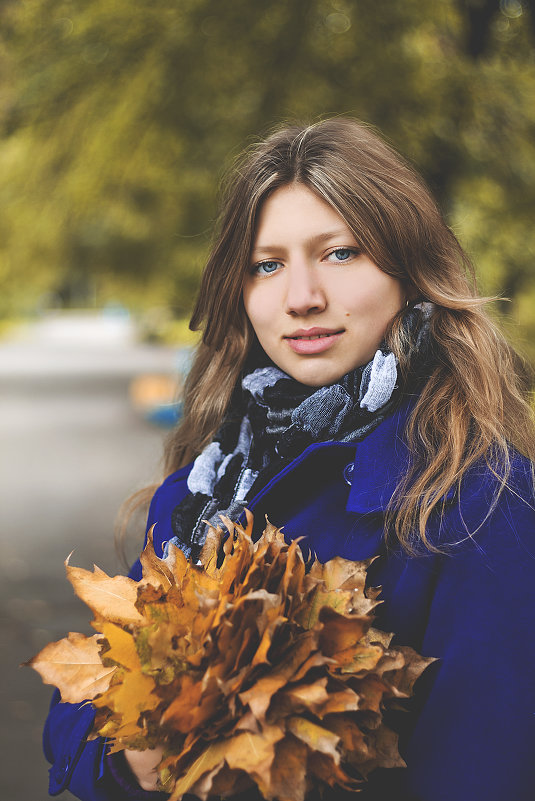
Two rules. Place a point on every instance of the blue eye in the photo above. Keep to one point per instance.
(342, 254)
(265, 267)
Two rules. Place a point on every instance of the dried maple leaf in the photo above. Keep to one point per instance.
(111, 598)
(252, 669)
(74, 666)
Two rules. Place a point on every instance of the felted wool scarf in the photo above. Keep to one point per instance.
(274, 419)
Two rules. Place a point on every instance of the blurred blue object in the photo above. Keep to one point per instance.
(157, 396)
(165, 415)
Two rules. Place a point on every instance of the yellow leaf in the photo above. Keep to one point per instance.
(130, 698)
(315, 737)
(212, 757)
(122, 646)
(121, 734)
(74, 666)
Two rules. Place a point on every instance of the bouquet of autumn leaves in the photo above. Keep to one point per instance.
(253, 668)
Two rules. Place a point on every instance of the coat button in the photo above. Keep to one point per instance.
(348, 473)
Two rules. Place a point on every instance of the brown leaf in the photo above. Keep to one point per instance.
(254, 754)
(192, 706)
(288, 772)
(384, 747)
(209, 554)
(176, 562)
(345, 574)
(339, 701)
(413, 667)
(273, 621)
(353, 741)
(322, 769)
(361, 658)
(259, 696)
(74, 666)
(340, 634)
(300, 697)
(155, 571)
(338, 600)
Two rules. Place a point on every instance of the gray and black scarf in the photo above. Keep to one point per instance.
(272, 419)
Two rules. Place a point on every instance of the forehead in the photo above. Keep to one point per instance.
(294, 211)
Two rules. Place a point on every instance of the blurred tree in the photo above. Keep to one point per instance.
(116, 117)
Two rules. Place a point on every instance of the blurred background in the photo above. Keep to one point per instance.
(117, 121)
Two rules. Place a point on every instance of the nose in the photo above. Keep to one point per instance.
(304, 291)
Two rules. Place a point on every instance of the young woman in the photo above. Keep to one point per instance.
(350, 386)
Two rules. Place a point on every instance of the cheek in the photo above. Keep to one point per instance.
(257, 308)
(376, 297)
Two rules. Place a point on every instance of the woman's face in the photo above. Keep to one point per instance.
(318, 306)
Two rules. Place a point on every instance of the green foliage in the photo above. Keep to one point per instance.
(117, 117)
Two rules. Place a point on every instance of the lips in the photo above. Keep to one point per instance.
(313, 340)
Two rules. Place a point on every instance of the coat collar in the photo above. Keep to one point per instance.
(381, 460)
(379, 463)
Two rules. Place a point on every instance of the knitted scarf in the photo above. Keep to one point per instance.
(273, 418)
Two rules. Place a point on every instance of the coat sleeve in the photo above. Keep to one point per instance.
(474, 737)
(78, 764)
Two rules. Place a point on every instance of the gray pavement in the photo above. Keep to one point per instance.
(72, 448)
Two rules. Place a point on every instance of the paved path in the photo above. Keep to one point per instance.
(71, 449)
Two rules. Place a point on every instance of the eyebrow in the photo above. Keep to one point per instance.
(313, 240)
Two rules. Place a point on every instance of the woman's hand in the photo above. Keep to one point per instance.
(143, 765)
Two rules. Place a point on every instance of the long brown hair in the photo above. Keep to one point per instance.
(472, 406)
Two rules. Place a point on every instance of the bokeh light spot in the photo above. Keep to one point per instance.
(338, 23)
(511, 8)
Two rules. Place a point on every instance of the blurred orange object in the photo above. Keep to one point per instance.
(157, 398)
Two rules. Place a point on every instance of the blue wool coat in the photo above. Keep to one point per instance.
(469, 733)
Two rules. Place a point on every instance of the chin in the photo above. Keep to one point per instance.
(315, 378)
